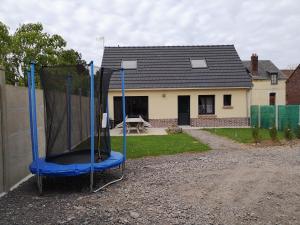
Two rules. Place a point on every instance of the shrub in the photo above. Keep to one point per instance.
(174, 130)
(255, 134)
(273, 133)
(298, 132)
(288, 133)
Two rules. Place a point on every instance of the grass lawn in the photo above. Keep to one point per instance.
(141, 146)
(243, 135)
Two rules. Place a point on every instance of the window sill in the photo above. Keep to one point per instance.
(227, 107)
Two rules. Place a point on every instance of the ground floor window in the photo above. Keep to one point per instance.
(227, 100)
(206, 104)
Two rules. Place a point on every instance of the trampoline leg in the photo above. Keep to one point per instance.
(114, 181)
(40, 184)
(91, 181)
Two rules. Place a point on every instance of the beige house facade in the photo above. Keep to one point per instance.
(268, 82)
(262, 89)
(163, 106)
(200, 86)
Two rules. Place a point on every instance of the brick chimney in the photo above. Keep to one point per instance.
(254, 64)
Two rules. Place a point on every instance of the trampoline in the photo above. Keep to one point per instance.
(76, 123)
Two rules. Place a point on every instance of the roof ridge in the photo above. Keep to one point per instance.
(168, 46)
(259, 60)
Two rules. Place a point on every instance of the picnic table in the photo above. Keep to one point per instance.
(135, 124)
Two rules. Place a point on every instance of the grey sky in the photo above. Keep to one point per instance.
(271, 28)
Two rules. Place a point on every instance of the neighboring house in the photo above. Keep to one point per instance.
(287, 72)
(293, 87)
(180, 85)
(268, 82)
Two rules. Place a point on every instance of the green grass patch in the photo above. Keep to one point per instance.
(142, 146)
(243, 135)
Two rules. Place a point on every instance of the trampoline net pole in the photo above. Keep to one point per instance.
(69, 121)
(34, 119)
(124, 112)
(30, 113)
(92, 124)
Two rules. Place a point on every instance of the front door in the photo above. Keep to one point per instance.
(184, 110)
(272, 98)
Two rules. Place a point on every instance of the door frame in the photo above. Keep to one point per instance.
(189, 110)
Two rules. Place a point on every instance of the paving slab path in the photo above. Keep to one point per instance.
(214, 141)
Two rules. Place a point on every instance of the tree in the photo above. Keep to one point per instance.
(68, 57)
(4, 42)
(28, 43)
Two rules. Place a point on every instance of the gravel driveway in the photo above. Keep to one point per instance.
(254, 186)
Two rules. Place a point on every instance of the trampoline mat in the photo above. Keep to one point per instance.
(76, 157)
(57, 169)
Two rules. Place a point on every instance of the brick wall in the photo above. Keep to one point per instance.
(163, 122)
(219, 122)
(203, 122)
(293, 88)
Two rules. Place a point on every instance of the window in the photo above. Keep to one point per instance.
(272, 98)
(198, 63)
(206, 104)
(227, 100)
(129, 64)
(274, 79)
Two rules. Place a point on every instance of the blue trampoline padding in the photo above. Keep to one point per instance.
(53, 169)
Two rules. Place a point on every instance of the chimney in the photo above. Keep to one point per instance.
(254, 64)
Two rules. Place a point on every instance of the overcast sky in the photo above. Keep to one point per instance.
(270, 28)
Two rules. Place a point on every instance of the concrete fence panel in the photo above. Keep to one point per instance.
(16, 143)
(2, 83)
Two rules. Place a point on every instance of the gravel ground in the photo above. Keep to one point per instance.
(249, 186)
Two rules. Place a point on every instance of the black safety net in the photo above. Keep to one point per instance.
(67, 113)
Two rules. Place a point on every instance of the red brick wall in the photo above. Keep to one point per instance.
(203, 122)
(163, 122)
(219, 122)
(293, 88)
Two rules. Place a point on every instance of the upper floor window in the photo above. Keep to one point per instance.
(274, 78)
(129, 64)
(198, 63)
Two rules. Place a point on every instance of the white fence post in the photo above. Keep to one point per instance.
(258, 116)
(299, 115)
(276, 116)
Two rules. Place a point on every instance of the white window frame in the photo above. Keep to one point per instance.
(129, 64)
(198, 63)
(274, 78)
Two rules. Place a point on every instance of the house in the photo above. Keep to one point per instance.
(180, 85)
(268, 82)
(293, 87)
(287, 72)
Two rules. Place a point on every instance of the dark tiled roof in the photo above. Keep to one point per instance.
(287, 72)
(265, 67)
(170, 67)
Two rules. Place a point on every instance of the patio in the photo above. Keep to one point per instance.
(149, 131)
